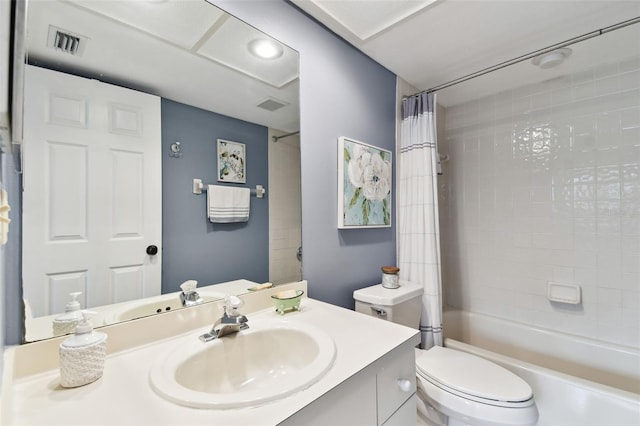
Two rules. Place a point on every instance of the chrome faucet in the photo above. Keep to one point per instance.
(231, 322)
(189, 296)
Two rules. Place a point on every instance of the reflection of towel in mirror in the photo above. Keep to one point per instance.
(226, 204)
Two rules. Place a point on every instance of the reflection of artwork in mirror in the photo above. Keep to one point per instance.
(364, 185)
(231, 162)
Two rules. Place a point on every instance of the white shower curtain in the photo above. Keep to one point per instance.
(418, 230)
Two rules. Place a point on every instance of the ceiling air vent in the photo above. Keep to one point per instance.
(272, 104)
(66, 41)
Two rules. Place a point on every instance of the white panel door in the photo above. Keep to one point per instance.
(92, 200)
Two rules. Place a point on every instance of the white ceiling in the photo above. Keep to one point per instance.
(191, 52)
(185, 50)
(428, 43)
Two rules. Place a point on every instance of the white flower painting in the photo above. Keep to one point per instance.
(364, 185)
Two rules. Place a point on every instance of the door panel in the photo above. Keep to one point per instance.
(60, 285)
(67, 180)
(127, 283)
(127, 203)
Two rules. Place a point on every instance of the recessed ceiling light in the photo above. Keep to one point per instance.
(265, 48)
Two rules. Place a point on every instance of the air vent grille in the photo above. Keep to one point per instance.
(66, 41)
(272, 104)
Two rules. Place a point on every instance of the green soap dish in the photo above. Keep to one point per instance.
(287, 301)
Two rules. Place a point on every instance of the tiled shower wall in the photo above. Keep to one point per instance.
(285, 231)
(543, 184)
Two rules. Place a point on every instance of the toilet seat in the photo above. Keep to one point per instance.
(471, 390)
(473, 378)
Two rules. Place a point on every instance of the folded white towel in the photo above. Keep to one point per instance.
(226, 204)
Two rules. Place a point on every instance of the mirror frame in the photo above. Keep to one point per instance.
(18, 69)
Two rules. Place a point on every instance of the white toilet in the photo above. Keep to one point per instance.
(454, 387)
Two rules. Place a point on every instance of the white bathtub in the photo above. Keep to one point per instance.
(575, 381)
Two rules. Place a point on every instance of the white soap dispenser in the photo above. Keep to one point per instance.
(67, 322)
(82, 355)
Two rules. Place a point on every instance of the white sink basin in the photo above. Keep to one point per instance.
(269, 361)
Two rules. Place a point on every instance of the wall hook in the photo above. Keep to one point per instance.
(175, 150)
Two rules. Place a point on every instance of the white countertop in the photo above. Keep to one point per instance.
(123, 395)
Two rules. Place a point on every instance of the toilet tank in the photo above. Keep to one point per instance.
(401, 305)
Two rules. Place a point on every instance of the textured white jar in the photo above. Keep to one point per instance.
(82, 355)
(67, 322)
(390, 281)
(390, 277)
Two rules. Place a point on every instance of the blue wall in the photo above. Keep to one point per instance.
(12, 252)
(342, 93)
(193, 247)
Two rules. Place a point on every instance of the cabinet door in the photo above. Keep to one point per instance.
(396, 381)
(406, 415)
(351, 403)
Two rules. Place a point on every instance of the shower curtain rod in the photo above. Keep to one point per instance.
(286, 135)
(531, 55)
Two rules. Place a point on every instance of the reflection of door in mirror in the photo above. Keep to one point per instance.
(91, 203)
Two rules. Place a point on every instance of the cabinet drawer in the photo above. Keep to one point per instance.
(396, 381)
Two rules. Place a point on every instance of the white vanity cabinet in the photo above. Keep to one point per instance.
(383, 393)
(371, 382)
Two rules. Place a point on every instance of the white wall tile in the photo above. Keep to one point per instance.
(561, 96)
(609, 314)
(552, 192)
(583, 91)
(630, 263)
(630, 136)
(563, 274)
(629, 80)
(606, 70)
(284, 209)
(630, 118)
(583, 77)
(630, 64)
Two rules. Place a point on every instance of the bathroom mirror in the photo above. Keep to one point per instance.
(202, 63)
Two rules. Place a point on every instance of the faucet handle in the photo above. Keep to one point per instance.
(189, 296)
(189, 286)
(231, 305)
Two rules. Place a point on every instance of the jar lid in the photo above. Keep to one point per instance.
(390, 269)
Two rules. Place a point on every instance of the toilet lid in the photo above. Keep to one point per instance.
(469, 375)
(378, 295)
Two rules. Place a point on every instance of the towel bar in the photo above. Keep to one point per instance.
(198, 188)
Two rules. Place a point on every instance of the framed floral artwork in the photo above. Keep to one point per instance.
(364, 185)
(232, 163)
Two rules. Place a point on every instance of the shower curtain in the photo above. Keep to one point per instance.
(418, 231)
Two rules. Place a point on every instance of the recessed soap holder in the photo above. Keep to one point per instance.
(564, 293)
